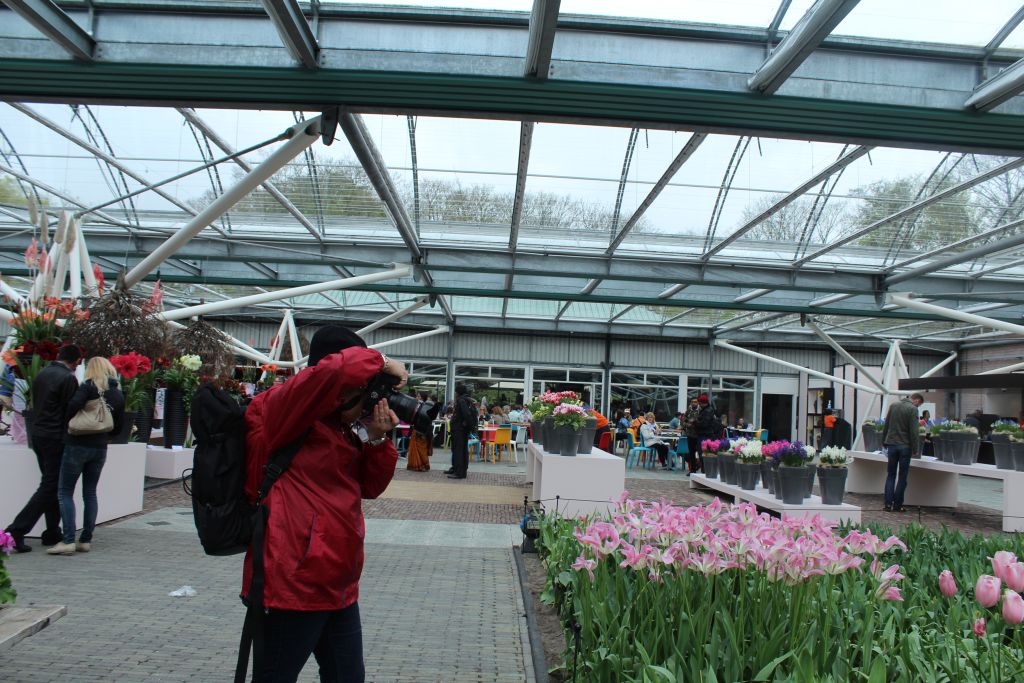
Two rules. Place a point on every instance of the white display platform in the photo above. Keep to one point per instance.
(168, 463)
(933, 483)
(119, 491)
(765, 499)
(584, 483)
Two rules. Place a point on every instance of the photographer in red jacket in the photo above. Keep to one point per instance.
(313, 553)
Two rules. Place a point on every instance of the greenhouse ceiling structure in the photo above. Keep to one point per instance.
(737, 170)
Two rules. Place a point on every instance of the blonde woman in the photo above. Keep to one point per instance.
(85, 454)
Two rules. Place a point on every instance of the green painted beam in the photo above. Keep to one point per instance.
(620, 104)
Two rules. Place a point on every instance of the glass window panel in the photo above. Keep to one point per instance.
(662, 401)
(737, 383)
(934, 21)
(696, 382)
(512, 373)
(582, 376)
(550, 375)
(663, 380)
(731, 12)
(472, 371)
(732, 405)
(427, 369)
(627, 378)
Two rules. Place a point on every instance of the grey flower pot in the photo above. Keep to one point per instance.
(1002, 452)
(586, 436)
(940, 446)
(567, 440)
(872, 438)
(711, 466)
(748, 474)
(833, 484)
(809, 480)
(792, 483)
(727, 469)
(1017, 449)
(962, 447)
(766, 477)
(549, 435)
(537, 428)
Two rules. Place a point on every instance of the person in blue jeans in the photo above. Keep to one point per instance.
(85, 455)
(901, 440)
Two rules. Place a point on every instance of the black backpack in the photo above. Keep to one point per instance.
(226, 521)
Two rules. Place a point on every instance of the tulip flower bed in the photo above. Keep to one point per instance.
(721, 593)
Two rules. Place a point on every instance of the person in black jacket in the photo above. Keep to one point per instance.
(462, 424)
(708, 425)
(51, 391)
(85, 454)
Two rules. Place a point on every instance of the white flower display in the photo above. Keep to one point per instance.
(191, 362)
(834, 456)
(751, 452)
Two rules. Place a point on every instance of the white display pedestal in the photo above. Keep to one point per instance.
(119, 491)
(584, 483)
(933, 483)
(168, 463)
(764, 498)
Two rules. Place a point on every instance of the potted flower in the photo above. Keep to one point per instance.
(553, 399)
(136, 380)
(1017, 450)
(871, 430)
(832, 471)
(568, 419)
(1002, 430)
(748, 464)
(7, 592)
(961, 442)
(539, 410)
(709, 449)
(181, 379)
(727, 460)
(769, 467)
(793, 472)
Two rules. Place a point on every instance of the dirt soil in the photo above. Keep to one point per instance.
(551, 634)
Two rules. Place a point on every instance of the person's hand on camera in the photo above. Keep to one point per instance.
(382, 420)
(397, 369)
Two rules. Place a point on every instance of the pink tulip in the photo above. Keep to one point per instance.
(979, 627)
(1001, 561)
(947, 584)
(1013, 575)
(1013, 607)
(986, 591)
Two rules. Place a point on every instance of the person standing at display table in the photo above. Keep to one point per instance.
(901, 441)
(649, 432)
(85, 455)
(52, 389)
(463, 423)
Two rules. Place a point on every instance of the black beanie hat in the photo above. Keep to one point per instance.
(331, 339)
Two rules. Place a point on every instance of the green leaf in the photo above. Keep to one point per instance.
(765, 673)
(877, 671)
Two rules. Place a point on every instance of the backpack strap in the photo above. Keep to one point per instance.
(255, 615)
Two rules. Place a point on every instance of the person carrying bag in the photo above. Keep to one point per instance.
(94, 418)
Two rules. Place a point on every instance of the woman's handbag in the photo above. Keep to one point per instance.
(94, 418)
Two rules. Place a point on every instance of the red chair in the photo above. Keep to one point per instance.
(605, 442)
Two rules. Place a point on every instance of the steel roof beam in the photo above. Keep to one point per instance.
(808, 33)
(837, 165)
(56, 25)
(916, 206)
(684, 154)
(525, 143)
(192, 117)
(543, 23)
(996, 269)
(1004, 85)
(958, 257)
(1007, 227)
(291, 25)
(66, 197)
(1003, 33)
(665, 322)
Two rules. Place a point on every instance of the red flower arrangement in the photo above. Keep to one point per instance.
(131, 364)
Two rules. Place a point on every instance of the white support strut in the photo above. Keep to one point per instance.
(906, 301)
(831, 378)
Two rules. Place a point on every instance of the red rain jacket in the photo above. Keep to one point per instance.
(313, 553)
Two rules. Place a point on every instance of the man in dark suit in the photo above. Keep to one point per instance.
(52, 389)
(462, 424)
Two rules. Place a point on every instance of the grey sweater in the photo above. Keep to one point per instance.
(901, 426)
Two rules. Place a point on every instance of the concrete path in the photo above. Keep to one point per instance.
(440, 603)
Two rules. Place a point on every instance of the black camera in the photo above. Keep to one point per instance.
(419, 414)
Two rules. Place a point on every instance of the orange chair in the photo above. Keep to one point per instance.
(502, 439)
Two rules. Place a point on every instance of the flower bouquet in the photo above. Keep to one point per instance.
(710, 449)
(138, 373)
(568, 420)
(181, 378)
(796, 479)
(748, 464)
(7, 592)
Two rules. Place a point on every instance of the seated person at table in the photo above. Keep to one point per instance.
(498, 415)
(601, 427)
(741, 423)
(676, 421)
(622, 422)
(649, 431)
(638, 422)
(516, 414)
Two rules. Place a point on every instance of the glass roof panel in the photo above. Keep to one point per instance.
(731, 12)
(932, 21)
(1015, 40)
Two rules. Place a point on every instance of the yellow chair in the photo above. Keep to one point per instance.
(502, 438)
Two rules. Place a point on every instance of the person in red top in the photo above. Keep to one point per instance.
(313, 552)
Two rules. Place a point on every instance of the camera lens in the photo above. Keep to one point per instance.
(419, 414)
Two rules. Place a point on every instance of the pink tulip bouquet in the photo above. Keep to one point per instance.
(7, 592)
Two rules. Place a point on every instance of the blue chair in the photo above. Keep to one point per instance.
(682, 450)
(632, 450)
(474, 443)
(763, 435)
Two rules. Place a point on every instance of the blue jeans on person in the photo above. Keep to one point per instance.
(86, 462)
(899, 461)
(335, 638)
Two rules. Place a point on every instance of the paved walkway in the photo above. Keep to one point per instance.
(440, 602)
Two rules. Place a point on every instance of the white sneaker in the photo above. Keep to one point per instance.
(61, 549)
(82, 547)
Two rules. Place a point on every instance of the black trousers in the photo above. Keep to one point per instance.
(335, 638)
(43, 502)
(662, 450)
(460, 452)
(694, 459)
